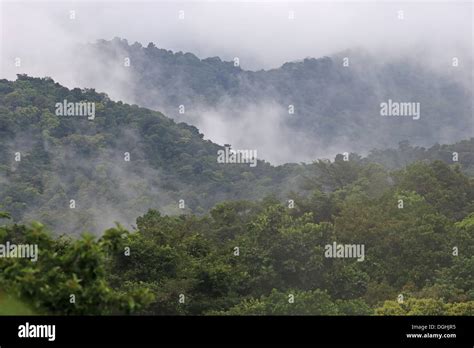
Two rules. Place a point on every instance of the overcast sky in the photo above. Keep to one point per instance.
(259, 33)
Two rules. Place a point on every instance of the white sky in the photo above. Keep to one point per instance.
(259, 33)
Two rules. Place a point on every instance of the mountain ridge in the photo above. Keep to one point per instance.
(315, 107)
(63, 158)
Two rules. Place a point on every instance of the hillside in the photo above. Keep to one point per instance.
(316, 107)
(64, 158)
(248, 238)
(72, 158)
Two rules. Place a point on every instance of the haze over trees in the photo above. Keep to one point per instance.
(303, 110)
(72, 158)
(252, 257)
(250, 240)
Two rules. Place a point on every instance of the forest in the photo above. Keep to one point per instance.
(310, 104)
(250, 241)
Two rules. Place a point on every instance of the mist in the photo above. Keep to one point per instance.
(261, 34)
(52, 38)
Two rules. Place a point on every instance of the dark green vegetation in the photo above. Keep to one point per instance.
(64, 158)
(408, 251)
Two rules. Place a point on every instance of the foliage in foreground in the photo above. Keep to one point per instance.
(266, 258)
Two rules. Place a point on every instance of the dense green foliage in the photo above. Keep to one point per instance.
(189, 264)
(240, 246)
(64, 158)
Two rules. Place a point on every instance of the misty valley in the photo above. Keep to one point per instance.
(256, 160)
